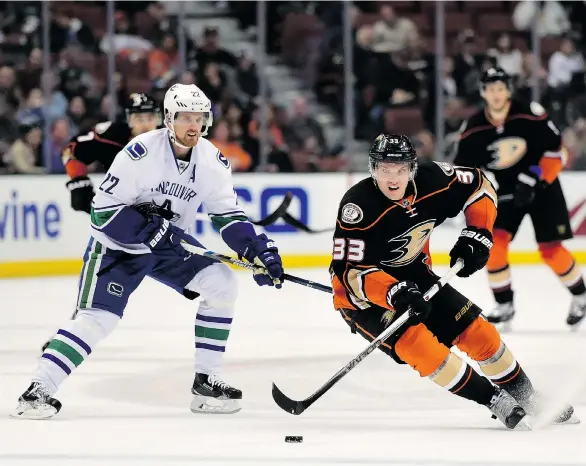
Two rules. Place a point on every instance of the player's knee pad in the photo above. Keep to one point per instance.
(420, 348)
(500, 250)
(480, 340)
(217, 285)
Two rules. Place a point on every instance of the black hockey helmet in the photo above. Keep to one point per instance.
(141, 103)
(392, 148)
(493, 75)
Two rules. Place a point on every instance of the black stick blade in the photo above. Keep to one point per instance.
(286, 403)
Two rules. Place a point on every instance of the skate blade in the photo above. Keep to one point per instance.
(209, 405)
(523, 426)
(33, 414)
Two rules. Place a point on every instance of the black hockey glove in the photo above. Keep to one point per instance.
(82, 193)
(162, 237)
(405, 294)
(473, 247)
(528, 183)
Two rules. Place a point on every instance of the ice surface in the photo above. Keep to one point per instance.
(129, 403)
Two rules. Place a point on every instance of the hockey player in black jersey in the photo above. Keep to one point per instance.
(102, 144)
(522, 148)
(381, 266)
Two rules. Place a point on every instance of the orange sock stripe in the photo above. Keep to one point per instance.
(510, 378)
(465, 381)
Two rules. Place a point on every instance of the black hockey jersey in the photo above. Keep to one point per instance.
(526, 138)
(101, 144)
(378, 242)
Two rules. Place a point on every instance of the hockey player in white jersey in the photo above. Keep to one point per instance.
(147, 201)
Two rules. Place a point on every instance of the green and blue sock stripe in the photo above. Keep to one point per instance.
(89, 274)
(67, 351)
(211, 332)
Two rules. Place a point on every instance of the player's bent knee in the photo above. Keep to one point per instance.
(548, 250)
(420, 348)
(94, 324)
(480, 340)
(499, 253)
(217, 284)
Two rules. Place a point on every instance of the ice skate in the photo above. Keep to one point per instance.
(504, 407)
(36, 403)
(577, 311)
(214, 396)
(502, 316)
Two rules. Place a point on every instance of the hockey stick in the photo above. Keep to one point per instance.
(234, 261)
(297, 407)
(263, 222)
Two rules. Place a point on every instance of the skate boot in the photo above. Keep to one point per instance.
(504, 407)
(502, 314)
(214, 396)
(536, 406)
(577, 311)
(36, 403)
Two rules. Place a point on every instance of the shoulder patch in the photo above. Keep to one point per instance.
(446, 167)
(536, 108)
(223, 160)
(351, 213)
(101, 128)
(136, 150)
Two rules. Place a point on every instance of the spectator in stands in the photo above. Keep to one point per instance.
(126, 40)
(392, 33)
(32, 107)
(60, 136)
(65, 29)
(467, 66)
(527, 79)
(212, 81)
(164, 60)
(246, 75)
(29, 75)
(56, 102)
(210, 50)
(77, 114)
(564, 63)
(187, 77)
(240, 160)
(396, 85)
(24, 155)
(508, 58)
(550, 17)
(233, 118)
(304, 129)
(574, 135)
(9, 95)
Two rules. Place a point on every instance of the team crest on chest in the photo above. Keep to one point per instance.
(351, 213)
(406, 247)
(506, 152)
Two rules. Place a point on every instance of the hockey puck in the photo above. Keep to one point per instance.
(293, 439)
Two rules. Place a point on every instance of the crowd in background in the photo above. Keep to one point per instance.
(394, 69)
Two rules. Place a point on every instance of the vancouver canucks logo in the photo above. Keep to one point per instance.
(406, 247)
(506, 152)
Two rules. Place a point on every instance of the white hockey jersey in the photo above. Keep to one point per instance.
(147, 170)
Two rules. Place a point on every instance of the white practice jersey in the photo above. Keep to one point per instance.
(146, 170)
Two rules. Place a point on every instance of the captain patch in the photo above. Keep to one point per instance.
(351, 213)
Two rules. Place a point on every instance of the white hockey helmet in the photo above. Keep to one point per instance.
(186, 98)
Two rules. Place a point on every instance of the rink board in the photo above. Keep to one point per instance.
(41, 236)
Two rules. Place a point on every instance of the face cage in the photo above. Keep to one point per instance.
(372, 165)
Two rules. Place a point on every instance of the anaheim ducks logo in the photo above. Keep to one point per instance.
(507, 152)
(407, 247)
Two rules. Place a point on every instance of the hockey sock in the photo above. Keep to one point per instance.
(212, 328)
(419, 348)
(482, 342)
(459, 378)
(561, 261)
(72, 344)
(499, 273)
(218, 286)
